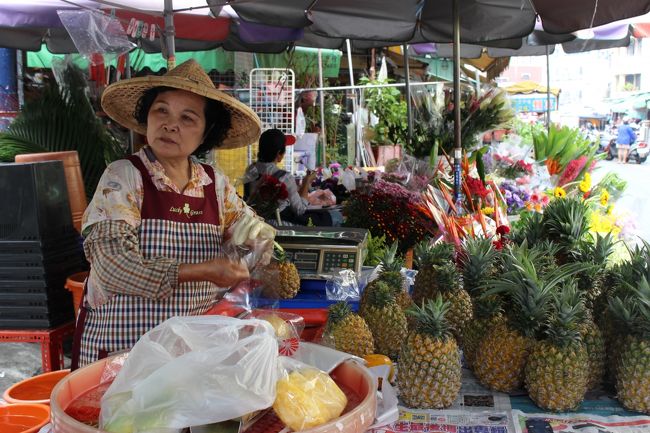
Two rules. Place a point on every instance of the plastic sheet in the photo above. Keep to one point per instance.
(93, 32)
(250, 239)
(343, 286)
(192, 371)
(306, 396)
(322, 197)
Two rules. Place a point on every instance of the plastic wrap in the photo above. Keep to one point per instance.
(348, 179)
(94, 32)
(192, 371)
(237, 301)
(250, 239)
(288, 328)
(306, 396)
(343, 286)
(322, 197)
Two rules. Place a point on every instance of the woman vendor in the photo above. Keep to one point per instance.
(157, 224)
(294, 208)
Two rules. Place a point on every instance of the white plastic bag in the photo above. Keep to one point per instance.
(347, 179)
(193, 371)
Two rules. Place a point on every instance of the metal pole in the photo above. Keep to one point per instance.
(369, 86)
(322, 107)
(358, 144)
(20, 80)
(457, 124)
(409, 114)
(548, 93)
(170, 34)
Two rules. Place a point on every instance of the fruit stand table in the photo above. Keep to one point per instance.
(51, 341)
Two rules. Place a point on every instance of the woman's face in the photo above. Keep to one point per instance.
(176, 124)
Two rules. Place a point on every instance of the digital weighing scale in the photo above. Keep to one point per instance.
(318, 251)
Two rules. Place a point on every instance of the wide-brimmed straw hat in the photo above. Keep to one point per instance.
(119, 102)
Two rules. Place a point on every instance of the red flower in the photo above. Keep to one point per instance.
(476, 187)
(503, 230)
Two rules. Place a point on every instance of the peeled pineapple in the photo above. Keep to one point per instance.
(308, 398)
(282, 328)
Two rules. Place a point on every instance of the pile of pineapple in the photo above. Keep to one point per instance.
(547, 313)
(553, 316)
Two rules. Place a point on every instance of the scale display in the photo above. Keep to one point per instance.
(318, 252)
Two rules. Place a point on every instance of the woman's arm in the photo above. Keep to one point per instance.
(117, 265)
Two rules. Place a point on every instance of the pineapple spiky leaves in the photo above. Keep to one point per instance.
(565, 223)
(478, 262)
(281, 277)
(632, 367)
(390, 273)
(430, 372)
(557, 370)
(386, 320)
(347, 331)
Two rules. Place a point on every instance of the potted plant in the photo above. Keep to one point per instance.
(390, 132)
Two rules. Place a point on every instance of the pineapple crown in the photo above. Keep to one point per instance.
(447, 277)
(565, 222)
(428, 255)
(568, 312)
(530, 229)
(478, 261)
(633, 311)
(529, 292)
(487, 306)
(389, 261)
(382, 295)
(430, 318)
(337, 312)
(595, 250)
(279, 253)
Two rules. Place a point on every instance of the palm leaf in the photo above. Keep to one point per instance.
(61, 120)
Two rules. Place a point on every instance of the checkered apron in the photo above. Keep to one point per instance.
(175, 226)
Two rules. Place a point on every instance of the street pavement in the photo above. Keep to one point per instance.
(19, 361)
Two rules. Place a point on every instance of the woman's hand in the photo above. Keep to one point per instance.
(221, 271)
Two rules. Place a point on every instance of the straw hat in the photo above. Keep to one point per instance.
(119, 102)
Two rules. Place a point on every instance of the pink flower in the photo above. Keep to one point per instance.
(572, 170)
(523, 180)
(545, 200)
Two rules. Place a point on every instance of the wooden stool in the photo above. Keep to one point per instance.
(51, 341)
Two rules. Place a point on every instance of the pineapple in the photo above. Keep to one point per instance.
(633, 363)
(429, 373)
(386, 321)
(503, 352)
(347, 331)
(557, 369)
(594, 342)
(487, 315)
(565, 223)
(282, 279)
(390, 273)
(437, 274)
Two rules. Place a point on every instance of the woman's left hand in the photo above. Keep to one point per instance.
(221, 271)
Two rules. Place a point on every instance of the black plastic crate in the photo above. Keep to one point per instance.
(35, 203)
(43, 322)
(71, 242)
(47, 300)
(38, 261)
(53, 275)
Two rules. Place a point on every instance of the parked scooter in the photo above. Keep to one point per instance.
(638, 153)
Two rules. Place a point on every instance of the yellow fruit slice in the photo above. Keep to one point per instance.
(308, 398)
(376, 359)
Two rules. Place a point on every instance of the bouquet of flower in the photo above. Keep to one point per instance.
(389, 209)
(266, 198)
(516, 196)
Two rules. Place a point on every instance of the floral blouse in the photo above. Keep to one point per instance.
(111, 221)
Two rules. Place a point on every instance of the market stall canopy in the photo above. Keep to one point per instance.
(263, 26)
(528, 87)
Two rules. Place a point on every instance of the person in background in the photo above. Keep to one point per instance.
(156, 228)
(294, 209)
(624, 140)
